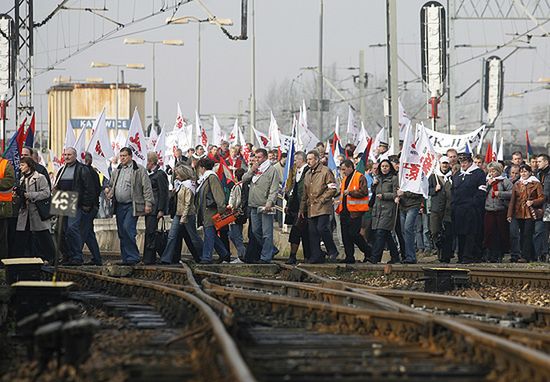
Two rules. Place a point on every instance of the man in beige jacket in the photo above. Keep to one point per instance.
(319, 189)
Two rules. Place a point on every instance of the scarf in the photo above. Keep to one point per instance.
(263, 168)
(300, 172)
(447, 177)
(203, 177)
(494, 185)
(190, 184)
(469, 170)
(532, 178)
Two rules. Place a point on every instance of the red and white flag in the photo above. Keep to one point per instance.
(160, 148)
(263, 140)
(136, 140)
(100, 145)
(70, 138)
(80, 145)
(119, 142)
(363, 142)
(201, 137)
(418, 161)
(152, 140)
(180, 122)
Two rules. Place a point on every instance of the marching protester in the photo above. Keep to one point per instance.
(496, 230)
(294, 191)
(87, 225)
(130, 189)
(184, 218)
(209, 200)
(440, 209)
(354, 202)
(468, 205)
(32, 190)
(384, 211)
(410, 204)
(74, 176)
(316, 204)
(525, 204)
(236, 228)
(541, 226)
(159, 186)
(262, 199)
(515, 245)
(7, 182)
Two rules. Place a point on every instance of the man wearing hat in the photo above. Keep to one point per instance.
(440, 211)
(468, 205)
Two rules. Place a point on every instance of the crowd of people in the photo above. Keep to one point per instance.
(475, 211)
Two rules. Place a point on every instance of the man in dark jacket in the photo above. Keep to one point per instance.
(159, 184)
(87, 225)
(468, 205)
(541, 227)
(74, 176)
(440, 211)
(294, 190)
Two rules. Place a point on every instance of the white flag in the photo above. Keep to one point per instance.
(403, 120)
(352, 127)
(70, 138)
(136, 140)
(494, 147)
(418, 161)
(160, 148)
(273, 133)
(307, 140)
(119, 142)
(363, 138)
(152, 140)
(380, 138)
(233, 138)
(179, 120)
(100, 145)
(217, 134)
(80, 145)
(500, 155)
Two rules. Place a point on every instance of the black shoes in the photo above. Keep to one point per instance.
(93, 263)
(263, 262)
(347, 261)
(205, 262)
(291, 260)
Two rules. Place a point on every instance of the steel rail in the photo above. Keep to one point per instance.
(509, 361)
(224, 363)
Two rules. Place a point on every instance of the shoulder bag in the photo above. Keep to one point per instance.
(43, 206)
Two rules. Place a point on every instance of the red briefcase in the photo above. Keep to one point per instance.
(224, 219)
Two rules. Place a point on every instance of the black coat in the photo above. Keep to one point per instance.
(96, 183)
(159, 183)
(468, 201)
(83, 184)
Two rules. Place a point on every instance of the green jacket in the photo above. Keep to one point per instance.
(6, 184)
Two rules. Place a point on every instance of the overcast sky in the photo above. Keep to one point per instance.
(287, 39)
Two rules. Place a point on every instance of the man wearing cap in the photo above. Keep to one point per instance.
(468, 205)
(440, 211)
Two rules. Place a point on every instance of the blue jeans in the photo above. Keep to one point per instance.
(236, 236)
(171, 242)
(126, 224)
(73, 238)
(408, 224)
(423, 241)
(211, 241)
(540, 239)
(88, 234)
(262, 228)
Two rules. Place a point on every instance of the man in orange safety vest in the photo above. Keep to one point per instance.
(354, 202)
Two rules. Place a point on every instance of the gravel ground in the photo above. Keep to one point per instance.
(525, 295)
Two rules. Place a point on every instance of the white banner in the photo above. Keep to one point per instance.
(442, 142)
(418, 161)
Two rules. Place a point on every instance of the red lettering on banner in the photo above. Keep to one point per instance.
(427, 162)
(98, 149)
(414, 170)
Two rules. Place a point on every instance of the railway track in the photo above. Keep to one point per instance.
(340, 335)
(488, 317)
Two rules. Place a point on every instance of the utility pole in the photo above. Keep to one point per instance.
(320, 79)
(362, 82)
(451, 101)
(253, 90)
(199, 69)
(391, 28)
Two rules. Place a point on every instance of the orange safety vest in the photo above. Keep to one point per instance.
(5, 196)
(353, 204)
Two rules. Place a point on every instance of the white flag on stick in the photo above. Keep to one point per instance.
(80, 145)
(273, 133)
(100, 145)
(202, 138)
(217, 134)
(352, 130)
(262, 139)
(119, 142)
(179, 119)
(418, 161)
(160, 148)
(70, 138)
(500, 155)
(403, 120)
(136, 140)
(363, 141)
(152, 140)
